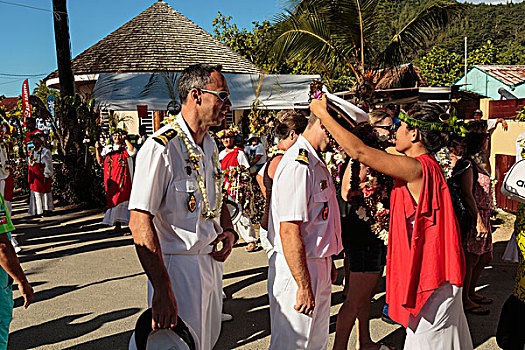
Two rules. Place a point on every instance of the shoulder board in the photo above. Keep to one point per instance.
(302, 157)
(165, 137)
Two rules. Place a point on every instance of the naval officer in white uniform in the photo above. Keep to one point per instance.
(177, 213)
(305, 230)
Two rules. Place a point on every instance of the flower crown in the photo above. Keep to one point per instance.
(451, 125)
(232, 131)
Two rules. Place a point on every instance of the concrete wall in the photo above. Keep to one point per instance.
(504, 142)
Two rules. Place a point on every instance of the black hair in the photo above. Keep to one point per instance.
(433, 140)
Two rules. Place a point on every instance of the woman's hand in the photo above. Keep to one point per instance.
(482, 230)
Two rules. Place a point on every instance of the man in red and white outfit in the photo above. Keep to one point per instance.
(40, 175)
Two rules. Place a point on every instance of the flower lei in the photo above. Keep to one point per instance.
(371, 199)
(238, 184)
(193, 159)
(335, 163)
(274, 151)
(31, 160)
(443, 158)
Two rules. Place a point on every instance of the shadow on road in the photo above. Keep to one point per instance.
(64, 328)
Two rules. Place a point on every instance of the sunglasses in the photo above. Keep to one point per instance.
(222, 95)
(390, 128)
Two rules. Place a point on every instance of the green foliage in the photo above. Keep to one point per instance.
(255, 45)
(441, 67)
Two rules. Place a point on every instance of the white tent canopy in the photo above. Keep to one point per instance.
(124, 91)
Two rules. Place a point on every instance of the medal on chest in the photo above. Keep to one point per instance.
(325, 211)
(192, 203)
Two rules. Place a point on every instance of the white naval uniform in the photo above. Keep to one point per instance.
(302, 193)
(243, 226)
(120, 212)
(40, 202)
(162, 186)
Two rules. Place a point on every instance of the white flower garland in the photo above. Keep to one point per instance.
(207, 211)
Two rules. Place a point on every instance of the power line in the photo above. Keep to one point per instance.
(21, 75)
(26, 6)
(32, 7)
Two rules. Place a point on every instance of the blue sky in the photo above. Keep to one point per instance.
(28, 46)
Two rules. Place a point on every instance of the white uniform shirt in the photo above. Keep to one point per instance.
(302, 192)
(252, 151)
(4, 171)
(163, 184)
(241, 157)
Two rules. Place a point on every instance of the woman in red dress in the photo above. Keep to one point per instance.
(118, 172)
(425, 262)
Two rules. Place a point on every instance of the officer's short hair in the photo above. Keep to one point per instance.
(312, 119)
(195, 76)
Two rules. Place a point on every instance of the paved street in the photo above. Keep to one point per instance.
(90, 288)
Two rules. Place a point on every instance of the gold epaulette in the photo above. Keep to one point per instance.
(165, 137)
(302, 157)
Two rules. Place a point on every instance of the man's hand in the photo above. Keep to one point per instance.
(305, 301)
(27, 293)
(163, 309)
(319, 107)
(227, 239)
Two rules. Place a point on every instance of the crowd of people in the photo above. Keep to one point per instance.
(408, 194)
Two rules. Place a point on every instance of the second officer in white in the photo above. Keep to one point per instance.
(305, 230)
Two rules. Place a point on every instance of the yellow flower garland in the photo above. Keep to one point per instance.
(194, 158)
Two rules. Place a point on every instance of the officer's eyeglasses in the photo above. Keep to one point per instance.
(222, 95)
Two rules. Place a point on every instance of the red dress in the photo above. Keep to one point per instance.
(117, 177)
(37, 165)
(419, 263)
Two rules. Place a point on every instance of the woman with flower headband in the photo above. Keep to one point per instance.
(291, 125)
(237, 178)
(118, 173)
(40, 175)
(364, 205)
(425, 262)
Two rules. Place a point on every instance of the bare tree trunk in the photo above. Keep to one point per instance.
(63, 48)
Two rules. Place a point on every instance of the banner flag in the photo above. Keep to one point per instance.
(25, 100)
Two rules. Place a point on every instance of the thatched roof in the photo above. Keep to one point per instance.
(404, 76)
(158, 39)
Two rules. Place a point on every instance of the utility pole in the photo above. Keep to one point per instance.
(466, 63)
(63, 48)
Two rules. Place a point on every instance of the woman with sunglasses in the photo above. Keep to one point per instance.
(425, 262)
(364, 205)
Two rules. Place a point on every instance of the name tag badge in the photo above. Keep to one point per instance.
(192, 203)
(325, 211)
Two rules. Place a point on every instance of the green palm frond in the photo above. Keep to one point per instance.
(417, 32)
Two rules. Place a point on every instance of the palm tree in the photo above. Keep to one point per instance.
(333, 33)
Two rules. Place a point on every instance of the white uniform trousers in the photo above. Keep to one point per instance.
(441, 323)
(196, 281)
(291, 330)
(40, 202)
(245, 229)
(119, 213)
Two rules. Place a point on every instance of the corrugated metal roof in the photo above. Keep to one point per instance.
(510, 75)
(9, 103)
